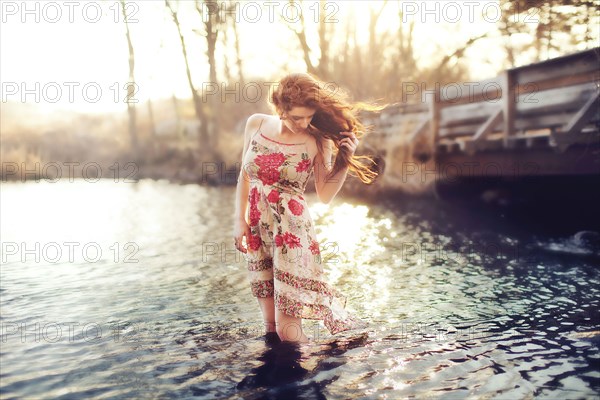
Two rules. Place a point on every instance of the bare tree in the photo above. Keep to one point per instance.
(319, 68)
(375, 48)
(212, 23)
(238, 55)
(151, 120)
(458, 53)
(200, 114)
(226, 67)
(131, 89)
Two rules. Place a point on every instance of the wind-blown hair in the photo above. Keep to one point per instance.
(334, 113)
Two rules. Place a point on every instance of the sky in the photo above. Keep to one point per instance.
(74, 55)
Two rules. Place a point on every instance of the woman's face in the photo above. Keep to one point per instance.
(298, 119)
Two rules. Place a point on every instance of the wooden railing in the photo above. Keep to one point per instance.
(552, 104)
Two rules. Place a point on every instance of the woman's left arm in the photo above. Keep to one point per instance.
(328, 188)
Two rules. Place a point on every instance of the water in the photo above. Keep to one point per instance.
(460, 303)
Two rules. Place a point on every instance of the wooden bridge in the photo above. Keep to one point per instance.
(539, 119)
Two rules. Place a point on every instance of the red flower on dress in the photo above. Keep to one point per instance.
(254, 242)
(295, 207)
(254, 215)
(253, 198)
(268, 176)
(278, 240)
(291, 240)
(270, 161)
(268, 164)
(303, 165)
(314, 247)
(273, 196)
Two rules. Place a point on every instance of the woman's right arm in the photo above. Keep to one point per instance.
(240, 226)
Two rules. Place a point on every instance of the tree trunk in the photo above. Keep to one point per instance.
(178, 124)
(238, 55)
(374, 50)
(324, 41)
(203, 131)
(130, 91)
(152, 122)
(211, 26)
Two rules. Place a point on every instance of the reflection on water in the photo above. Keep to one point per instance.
(134, 290)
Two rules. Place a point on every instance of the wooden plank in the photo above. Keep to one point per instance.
(532, 135)
(542, 121)
(467, 113)
(536, 107)
(532, 122)
(583, 115)
(487, 115)
(461, 130)
(487, 127)
(483, 131)
(559, 67)
(522, 123)
(463, 93)
(560, 99)
(568, 70)
(554, 83)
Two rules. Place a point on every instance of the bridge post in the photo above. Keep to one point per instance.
(509, 100)
(434, 117)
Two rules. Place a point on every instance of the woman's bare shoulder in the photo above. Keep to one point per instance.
(256, 118)
(255, 121)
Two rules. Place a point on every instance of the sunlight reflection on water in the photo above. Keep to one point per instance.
(166, 310)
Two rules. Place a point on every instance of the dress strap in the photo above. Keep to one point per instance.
(258, 130)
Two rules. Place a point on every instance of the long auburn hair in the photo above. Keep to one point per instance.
(334, 113)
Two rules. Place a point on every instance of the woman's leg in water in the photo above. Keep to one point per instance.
(267, 307)
(289, 328)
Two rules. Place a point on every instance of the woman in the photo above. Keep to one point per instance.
(279, 156)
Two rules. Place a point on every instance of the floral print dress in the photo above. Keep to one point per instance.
(284, 259)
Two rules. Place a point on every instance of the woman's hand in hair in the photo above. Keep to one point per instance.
(349, 143)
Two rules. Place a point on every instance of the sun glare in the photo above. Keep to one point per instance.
(84, 65)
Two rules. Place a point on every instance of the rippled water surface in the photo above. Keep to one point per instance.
(134, 290)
